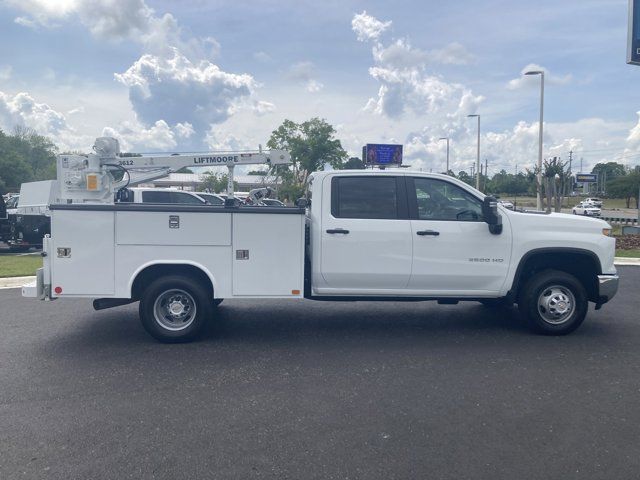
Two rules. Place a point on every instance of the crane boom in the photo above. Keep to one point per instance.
(91, 178)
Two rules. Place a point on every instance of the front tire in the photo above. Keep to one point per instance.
(553, 302)
(175, 309)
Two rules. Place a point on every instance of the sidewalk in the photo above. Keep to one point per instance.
(17, 282)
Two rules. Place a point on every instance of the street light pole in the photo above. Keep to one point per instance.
(478, 153)
(447, 139)
(539, 176)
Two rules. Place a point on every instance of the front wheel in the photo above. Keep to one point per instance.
(553, 302)
(175, 309)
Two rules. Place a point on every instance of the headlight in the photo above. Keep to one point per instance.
(606, 231)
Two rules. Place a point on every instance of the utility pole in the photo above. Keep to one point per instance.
(478, 149)
(486, 173)
(447, 139)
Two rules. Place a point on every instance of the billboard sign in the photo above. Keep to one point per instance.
(587, 177)
(381, 154)
(633, 41)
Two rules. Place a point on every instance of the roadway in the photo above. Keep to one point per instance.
(286, 389)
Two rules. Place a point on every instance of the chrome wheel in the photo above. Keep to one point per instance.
(174, 309)
(556, 304)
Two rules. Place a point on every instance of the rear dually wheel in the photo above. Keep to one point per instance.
(175, 309)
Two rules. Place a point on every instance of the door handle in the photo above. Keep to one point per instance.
(338, 230)
(433, 233)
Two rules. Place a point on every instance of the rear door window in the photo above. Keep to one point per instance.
(185, 198)
(367, 197)
(156, 197)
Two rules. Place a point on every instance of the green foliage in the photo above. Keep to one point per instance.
(25, 156)
(609, 170)
(466, 178)
(509, 183)
(625, 187)
(311, 145)
(354, 163)
(215, 183)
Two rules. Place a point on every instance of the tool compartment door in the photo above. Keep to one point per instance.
(268, 254)
(83, 252)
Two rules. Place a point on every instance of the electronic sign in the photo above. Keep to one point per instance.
(587, 177)
(380, 154)
(633, 41)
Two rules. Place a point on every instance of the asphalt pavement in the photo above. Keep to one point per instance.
(305, 390)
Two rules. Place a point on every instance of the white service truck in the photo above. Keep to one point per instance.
(358, 235)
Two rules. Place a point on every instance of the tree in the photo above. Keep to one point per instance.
(625, 187)
(609, 170)
(25, 156)
(354, 163)
(215, 183)
(311, 145)
(554, 179)
(466, 178)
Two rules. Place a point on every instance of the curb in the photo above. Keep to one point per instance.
(18, 282)
(15, 282)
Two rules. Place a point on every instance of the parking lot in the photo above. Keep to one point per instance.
(284, 389)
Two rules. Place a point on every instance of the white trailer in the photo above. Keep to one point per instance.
(358, 235)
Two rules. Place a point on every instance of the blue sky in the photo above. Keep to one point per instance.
(196, 75)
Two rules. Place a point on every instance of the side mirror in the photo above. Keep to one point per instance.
(491, 215)
(302, 203)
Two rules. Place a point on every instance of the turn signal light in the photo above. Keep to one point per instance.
(606, 231)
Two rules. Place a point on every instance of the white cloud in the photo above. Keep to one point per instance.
(184, 130)
(633, 140)
(22, 110)
(177, 90)
(135, 137)
(400, 54)
(405, 85)
(116, 20)
(262, 108)
(219, 140)
(550, 78)
(367, 27)
(303, 73)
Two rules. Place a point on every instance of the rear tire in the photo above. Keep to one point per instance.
(175, 309)
(553, 302)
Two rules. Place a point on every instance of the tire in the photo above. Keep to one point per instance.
(553, 302)
(175, 309)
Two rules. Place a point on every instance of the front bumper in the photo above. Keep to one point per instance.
(607, 287)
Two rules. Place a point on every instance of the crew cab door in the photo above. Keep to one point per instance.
(366, 242)
(453, 251)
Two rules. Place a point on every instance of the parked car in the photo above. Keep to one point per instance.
(272, 202)
(163, 196)
(587, 209)
(211, 198)
(506, 204)
(596, 202)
